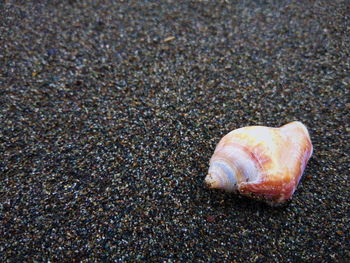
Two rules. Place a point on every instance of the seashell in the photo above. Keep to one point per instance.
(261, 162)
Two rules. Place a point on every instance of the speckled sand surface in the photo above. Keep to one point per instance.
(110, 111)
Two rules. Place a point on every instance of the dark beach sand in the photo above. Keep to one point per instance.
(110, 111)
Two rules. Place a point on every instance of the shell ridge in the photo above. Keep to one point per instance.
(229, 172)
(254, 158)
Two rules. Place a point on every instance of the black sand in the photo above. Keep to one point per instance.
(110, 111)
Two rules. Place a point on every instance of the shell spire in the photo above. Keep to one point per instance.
(261, 162)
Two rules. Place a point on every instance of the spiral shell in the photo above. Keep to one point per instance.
(261, 162)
